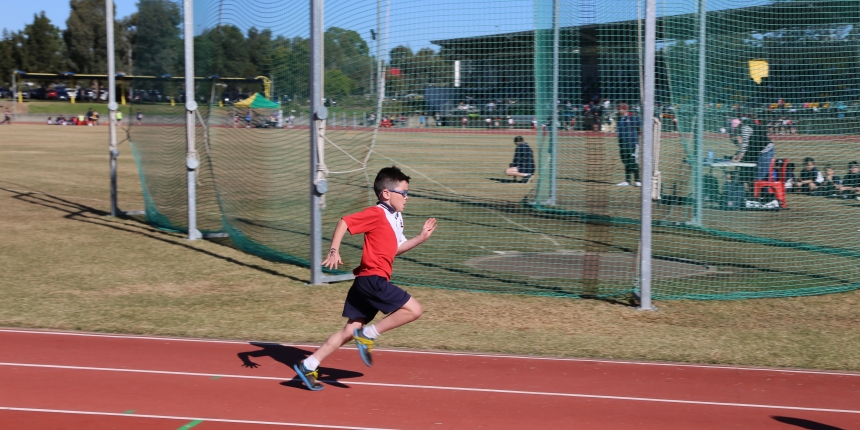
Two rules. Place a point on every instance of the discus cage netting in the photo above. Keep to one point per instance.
(441, 90)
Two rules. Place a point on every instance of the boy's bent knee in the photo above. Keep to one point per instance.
(414, 308)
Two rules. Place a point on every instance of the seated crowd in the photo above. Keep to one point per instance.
(811, 181)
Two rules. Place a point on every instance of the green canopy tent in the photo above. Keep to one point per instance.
(262, 110)
(257, 101)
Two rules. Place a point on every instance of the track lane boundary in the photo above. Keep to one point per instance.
(170, 417)
(444, 388)
(448, 354)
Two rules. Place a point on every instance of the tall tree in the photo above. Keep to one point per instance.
(159, 42)
(44, 46)
(7, 60)
(86, 36)
(126, 43)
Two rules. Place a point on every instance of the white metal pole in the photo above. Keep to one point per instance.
(112, 106)
(553, 130)
(700, 115)
(318, 116)
(647, 154)
(192, 161)
(15, 95)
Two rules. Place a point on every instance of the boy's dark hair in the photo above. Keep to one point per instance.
(808, 160)
(852, 164)
(388, 179)
(790, 165)
(518, 139)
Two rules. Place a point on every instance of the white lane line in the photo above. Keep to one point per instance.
(447, 354)
(437, 387)
(170, 417)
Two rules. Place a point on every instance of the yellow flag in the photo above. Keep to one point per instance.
(758, 69)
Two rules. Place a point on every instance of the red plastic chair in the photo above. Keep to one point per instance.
(777, 186)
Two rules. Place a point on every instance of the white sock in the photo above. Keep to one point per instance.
(311, 363)
(370, 331)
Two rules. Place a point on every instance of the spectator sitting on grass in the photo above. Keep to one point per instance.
(523, 166)
(828, 188)
(790, 178)
(851, 183)
(810, 177)
(50, 122)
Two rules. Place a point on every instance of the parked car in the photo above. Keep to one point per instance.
(5, 93)
(37, 93)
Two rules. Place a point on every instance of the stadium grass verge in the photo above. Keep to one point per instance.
(67, 265)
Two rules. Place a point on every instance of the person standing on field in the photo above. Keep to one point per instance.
(119, 118)
(8, 115)
(629, 129)
(139, 117)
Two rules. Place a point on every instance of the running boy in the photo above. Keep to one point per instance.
(371, 291)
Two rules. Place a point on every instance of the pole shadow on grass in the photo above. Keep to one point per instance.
(805, 424)
(87, 214)
(290, 355)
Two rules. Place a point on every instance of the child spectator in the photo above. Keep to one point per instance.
(50, 122)
(829, 188)
(790, 178)
(371, 292)
(851, 183)
(810, 177)
(523, 165)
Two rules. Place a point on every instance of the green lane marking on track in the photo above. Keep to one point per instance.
(215, 377)
(130, 411)
(189, 425)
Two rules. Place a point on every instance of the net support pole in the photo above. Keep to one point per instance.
(112, 106)
(553, 120)
(192, 160)
(700, 116)
(318, 116)
(647, 154)
(318, 183)
(16, 94)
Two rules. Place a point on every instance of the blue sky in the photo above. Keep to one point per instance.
(413, 23)
(17, 14)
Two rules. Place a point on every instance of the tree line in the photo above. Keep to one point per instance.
(149, 42)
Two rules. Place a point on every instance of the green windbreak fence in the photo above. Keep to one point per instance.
(443, 90)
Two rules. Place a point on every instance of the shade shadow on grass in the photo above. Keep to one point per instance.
(83, 213)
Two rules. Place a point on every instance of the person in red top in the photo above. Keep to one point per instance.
(372, 290)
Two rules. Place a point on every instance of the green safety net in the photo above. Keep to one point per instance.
(155, 124)
(442, 93)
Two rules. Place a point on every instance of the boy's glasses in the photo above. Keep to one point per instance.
(402, 193)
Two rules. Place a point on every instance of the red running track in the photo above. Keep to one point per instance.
(79, 380)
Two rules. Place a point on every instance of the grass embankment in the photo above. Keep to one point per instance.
(67, 265)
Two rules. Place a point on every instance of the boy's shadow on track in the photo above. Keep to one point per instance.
(289, 355)
(805, 424)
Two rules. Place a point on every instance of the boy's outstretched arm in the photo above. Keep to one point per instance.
(333, 258)
(426, 232)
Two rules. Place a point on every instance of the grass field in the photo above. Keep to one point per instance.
(67, 265)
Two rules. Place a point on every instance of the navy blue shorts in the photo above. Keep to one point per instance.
(371, 294)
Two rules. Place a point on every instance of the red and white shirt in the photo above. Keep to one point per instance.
(383, 234)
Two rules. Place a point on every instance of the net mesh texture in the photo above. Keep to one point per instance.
(442, 93)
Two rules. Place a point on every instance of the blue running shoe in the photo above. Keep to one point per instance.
(309, 377)
(365, 347)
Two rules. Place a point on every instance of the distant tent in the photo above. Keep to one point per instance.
(257, 101)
